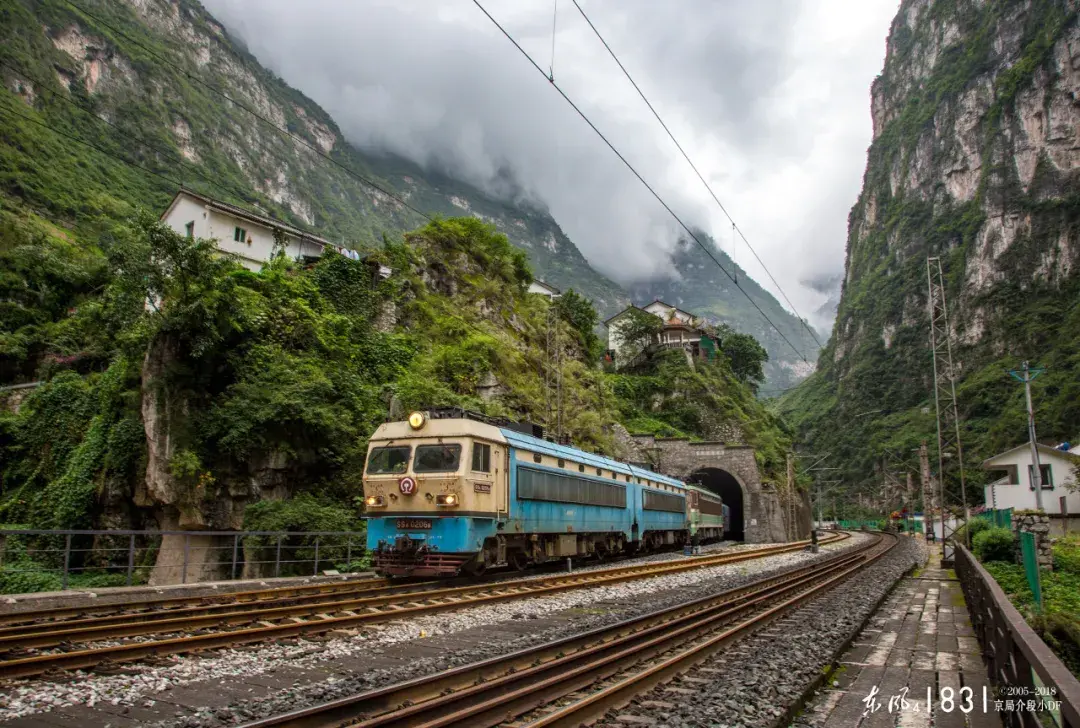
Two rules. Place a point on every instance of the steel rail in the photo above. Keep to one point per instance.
(65, 617)
(502, 688)
(57, 614)
(116, 627)
(619, 693)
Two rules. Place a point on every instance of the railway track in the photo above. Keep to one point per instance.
(34, 648)
(579, 678)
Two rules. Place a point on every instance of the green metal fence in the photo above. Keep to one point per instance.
(1001, 517)
(856, 525)
(1030, 555)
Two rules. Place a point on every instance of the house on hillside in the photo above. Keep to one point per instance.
(680, 330)
(544, 289)
(1015, 489)
(247, 235)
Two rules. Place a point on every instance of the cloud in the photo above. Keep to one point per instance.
(771, 101)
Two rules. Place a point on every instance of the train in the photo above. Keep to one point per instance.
(455, 494)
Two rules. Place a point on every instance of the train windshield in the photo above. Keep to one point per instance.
(389, 460)
(437, 458)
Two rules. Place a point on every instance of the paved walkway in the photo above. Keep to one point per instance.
(920, 639)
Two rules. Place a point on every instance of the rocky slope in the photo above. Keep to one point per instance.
(149, 71)
(139, 81)
(704, 290)
(975, 159)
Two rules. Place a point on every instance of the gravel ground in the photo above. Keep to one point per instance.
(620, 601)
(752, 684)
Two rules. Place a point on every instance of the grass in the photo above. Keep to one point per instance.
(1059, 623)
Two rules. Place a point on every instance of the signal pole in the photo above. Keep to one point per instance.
(1025, 375)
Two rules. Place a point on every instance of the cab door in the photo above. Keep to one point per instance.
(502, 481)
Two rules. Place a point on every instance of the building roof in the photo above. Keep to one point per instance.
(249, 216)
(992, 464)
(620, 313)
(669, 306)
(553, 289)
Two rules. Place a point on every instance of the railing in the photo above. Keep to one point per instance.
(1016, 657)
(123, 558)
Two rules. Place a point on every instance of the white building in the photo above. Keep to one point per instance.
(247, 235)
(680, 328)
(544, 289)
(1015, 489)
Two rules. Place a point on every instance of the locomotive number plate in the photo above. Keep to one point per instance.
(482, 487)
(408, 523)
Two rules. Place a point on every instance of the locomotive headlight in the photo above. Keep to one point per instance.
(447, 499)
(375, 501)
(417, 420)
(451, 499)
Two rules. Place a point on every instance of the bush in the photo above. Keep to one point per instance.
(974, 527)
(24, 577)
(995, 544)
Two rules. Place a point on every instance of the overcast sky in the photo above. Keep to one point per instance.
(770, 99)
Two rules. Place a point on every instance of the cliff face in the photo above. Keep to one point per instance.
(975, 159)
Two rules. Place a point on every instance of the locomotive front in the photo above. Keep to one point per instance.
(433, 491)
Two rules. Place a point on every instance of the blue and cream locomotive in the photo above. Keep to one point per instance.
(445, 496)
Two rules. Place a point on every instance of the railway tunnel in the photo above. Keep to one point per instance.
(725, 485)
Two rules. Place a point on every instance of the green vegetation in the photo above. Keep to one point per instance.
(994, 544)
(179, 389)
(703, 289)
(280, 376)
(872, 393)
(1059, 623)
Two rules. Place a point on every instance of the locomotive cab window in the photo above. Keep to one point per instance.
(481, 457)
(384, 460)
(437, 458)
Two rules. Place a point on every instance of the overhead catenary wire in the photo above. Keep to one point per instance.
(282, 130)
(734, 227)
(641, 179)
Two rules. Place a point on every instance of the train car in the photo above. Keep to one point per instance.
(446, 496)
(707, 513)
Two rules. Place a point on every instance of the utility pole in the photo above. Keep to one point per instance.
(909, 500)
(1025, 375)
(790, 495)
(924, 469)
(950, 452)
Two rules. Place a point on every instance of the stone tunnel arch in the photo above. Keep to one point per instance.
(731, 491)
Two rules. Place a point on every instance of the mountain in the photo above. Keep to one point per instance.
(137, 83)
(701, 288)
(976, 160)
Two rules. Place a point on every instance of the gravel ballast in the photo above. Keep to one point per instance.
(756, 682)
(575, 611)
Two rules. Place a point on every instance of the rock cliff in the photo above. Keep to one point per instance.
(975, 159)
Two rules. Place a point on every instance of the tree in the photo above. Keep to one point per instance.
(638, 330)
(746, 356)
(579, 312)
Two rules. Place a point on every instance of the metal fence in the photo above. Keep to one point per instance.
(1016, 657)
(1001, 517)
(121, 558)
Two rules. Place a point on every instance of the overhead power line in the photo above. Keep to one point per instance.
(282, 130)
(682, 151)
(639, 177)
